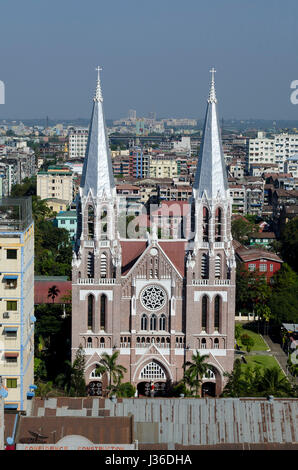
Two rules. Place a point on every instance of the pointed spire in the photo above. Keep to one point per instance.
(97, 174)
(211, 175)
(212, 94)
(98, 92)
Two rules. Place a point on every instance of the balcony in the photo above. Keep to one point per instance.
(208, 282)
(92, 281)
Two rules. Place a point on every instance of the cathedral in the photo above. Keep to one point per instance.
(156, 301)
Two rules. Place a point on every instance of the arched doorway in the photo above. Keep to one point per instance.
(153, 380)
(209, 389)
(95, 388)
(95, 384)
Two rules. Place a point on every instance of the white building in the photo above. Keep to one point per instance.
(77, 142)
(265, 150)
(261, 150)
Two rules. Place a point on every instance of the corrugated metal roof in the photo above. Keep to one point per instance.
(216, 421)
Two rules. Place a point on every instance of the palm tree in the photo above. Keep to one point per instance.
(115, 371)
(273, 383)
(196, 369)
(53, 292)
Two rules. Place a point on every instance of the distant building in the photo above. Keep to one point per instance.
(68, 221)
(56, 182)
(261, 261)
(77, 142)
(17, 301)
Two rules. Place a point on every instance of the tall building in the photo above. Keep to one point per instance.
(56, 183)
(17, 301)
(155, 301)
(77, 142)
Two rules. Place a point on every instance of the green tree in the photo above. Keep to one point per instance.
(289, 241)
(235, 385)
(241, 229)
(126, 390)
(196, 369)
(247, 341)
(44, 389)
(108, 365)
(274, 383)
(283, 303)
(77, 380)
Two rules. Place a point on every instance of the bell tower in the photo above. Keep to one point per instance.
(210, 265)
(97, 249)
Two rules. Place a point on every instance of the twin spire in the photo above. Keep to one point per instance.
(210, 178)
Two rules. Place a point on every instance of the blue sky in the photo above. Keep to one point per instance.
(156, 56)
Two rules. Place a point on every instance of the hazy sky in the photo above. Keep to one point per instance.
(156, 56)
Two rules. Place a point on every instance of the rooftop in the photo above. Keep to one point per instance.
(15, 214)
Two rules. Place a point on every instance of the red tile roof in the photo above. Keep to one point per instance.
(41, 291)
(175, 251)
(131, 251)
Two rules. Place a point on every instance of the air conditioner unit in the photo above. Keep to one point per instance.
(6, 315)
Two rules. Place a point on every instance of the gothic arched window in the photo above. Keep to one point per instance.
(162, 323)
(218, 267)
(104, 224)
(153, 322)
(90, 312)
(217, 305)
(90, 264)
(205, 224)
(90, 223)
(103, 265)
(103, 307)
(218, 217)
(205, 266)
(144, 322)
(204, 312)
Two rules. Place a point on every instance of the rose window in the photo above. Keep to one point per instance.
(153, 298)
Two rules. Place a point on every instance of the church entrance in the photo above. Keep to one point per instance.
(209, 389)
(158, 389)
(95, 389)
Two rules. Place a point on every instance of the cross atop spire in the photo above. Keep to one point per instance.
(98, 92)
(212, 94)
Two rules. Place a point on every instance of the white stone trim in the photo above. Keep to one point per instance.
(84, 293)
(211, 295)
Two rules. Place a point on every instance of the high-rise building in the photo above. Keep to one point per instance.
(56, 183)
(17, 301)
(156, 301)
(77, 142)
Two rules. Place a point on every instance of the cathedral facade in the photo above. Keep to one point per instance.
(156, 301)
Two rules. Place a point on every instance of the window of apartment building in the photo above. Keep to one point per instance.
(11, 383)
(11, 254)
(11, 305)
(12, 359)
(263, 268)
(251, 267)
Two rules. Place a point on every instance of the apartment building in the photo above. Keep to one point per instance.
(163, 166)
(272, 150)
(55, 183)
(261, 150)
(17, 301)
(77, 142)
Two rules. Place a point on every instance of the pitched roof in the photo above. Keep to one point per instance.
(131, 251)
(255, 254)
(175, 251)
(41, 291)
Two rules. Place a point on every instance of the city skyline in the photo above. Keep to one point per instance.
(154, 58)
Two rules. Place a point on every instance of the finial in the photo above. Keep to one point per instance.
(212, 94)
(98, 93)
